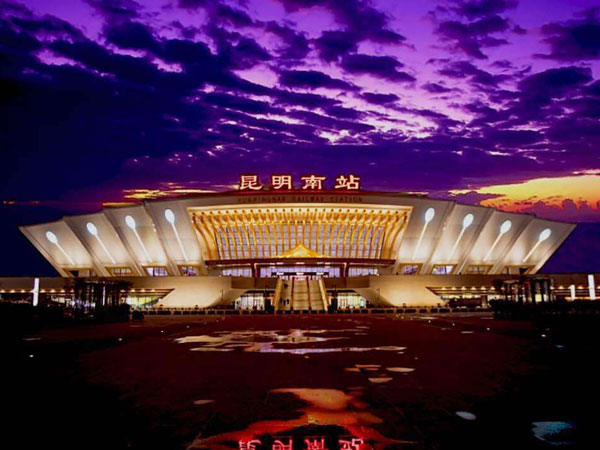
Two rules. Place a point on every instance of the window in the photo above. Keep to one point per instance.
(157, 271)
(237, 272)
(251, 300)
(189, 271)
(361, 271)
(443, 269)
(142, 301)
(350, 300)
(477, 269)
(121, 271)
(515, 270)
(410, 269)
(82, 273)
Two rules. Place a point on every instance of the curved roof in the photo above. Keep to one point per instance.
(348, 225)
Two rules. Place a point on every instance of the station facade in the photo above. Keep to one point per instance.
(299, 248)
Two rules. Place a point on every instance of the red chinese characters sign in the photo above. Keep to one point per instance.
(308, 443)
(312, 182)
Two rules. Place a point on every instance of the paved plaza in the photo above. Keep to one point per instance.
(377, 381)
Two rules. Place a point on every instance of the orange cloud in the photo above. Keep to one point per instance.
(583, 190)
(143, 194)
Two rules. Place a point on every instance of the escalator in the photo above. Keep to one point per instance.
(300, 294)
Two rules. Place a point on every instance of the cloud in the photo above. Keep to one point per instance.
(472, 37)
(573, 40)
(379, 99)
(385, 67)
(331, 45)
(296, 44)
(237, 92)
(554, 83)
(312, 79)
(132, 35)
(359, 18)
(478, 77)
(116, 11)
(482, 8)
(436, 88)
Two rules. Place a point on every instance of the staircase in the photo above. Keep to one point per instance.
(314, 293)
(304, 295)
(300, 294)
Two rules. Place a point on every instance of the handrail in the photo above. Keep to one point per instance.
(292, 303)
(324, 297)
(277, 297)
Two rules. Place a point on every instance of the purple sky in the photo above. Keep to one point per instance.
(102, 100)
(427, 96)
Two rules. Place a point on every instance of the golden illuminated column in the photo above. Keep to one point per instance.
(280, 222)
(203, 229)
(225, 233)
(368, 230)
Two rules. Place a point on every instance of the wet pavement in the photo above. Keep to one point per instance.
(302, 382)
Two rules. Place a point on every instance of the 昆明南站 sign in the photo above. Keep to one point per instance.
(251, 182)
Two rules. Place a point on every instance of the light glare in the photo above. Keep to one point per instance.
(429, 214)
(545, 234)
(468, 220)
(505, 227)
(170, 216)
(51, 237)
(92, 229)
(130, 221)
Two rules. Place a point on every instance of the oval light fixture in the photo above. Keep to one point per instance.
(468, 220)
(505, 227)
(51, 237)
(170, 216)
(92, 229)
(545, 234)
(429, 214)
(130, 221)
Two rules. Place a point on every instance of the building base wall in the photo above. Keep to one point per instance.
(384, 290)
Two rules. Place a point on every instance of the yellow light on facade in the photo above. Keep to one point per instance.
(54, 240)
(504, 228)
(94, 232)
(544, 235)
